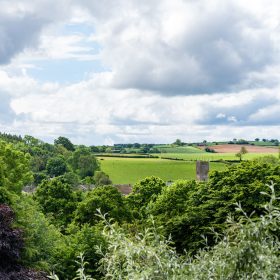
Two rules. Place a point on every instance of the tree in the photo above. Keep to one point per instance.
(83, 162)
(187, 210)
(56, 197)
(143, 193)
(65, 142)
(14, 168)
(178, 142)
(106, 198)
(242, 152)
(101, 179)
(56, 166)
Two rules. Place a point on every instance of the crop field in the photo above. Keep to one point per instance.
(131, 170)
(183, 150)
(213, 156)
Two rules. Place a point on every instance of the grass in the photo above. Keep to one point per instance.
(213, 156)
(131, 170)
(183, 150)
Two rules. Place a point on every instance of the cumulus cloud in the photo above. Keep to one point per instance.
(7, 115)
(174, 69)
(245, 108)
(184, 47)
(22, 21)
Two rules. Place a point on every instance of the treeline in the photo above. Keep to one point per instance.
(77, 164)
(59, 221)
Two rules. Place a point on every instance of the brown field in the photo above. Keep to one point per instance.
(231, 148)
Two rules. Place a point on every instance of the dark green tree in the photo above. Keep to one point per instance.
(101, 179)
(57, 198)
(106, 198)
(65, 142)
(56, 166)
(83, 162)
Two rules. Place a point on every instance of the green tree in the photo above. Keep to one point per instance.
(241, 153)
(57, 198)
(101, 179)
(65, 142)
(106, 198)
(14, 168)
(85, 239)
(56, 166)
(178, 142)
(187, 210)
(83, 162)
(143, 193)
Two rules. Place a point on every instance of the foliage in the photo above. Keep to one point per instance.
(146, 191)
(242, 152)
(84, 162)
(248, 250)
(39, 177)
(106, 198)
(186, 210)
(70, 178)
(11, 244)
(14, 168)
(143, 256)
(42, 239)
(209, 150)
(101, 179)
(84, 240)
(5, 196)
(57, 198)
(56, 166)
(65, 142)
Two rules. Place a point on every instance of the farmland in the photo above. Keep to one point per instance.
(174, 162)
(212, 156)
(131, 170)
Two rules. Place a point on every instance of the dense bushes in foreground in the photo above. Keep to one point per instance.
(249, 249)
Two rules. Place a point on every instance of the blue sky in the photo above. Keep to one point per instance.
(104, 72)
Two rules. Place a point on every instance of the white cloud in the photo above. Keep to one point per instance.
(161, 55)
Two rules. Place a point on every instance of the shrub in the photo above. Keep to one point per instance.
(11, 245)
(106, 198)
(57, 198)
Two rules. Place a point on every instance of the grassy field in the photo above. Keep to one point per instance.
(183, 150)
(131, 170)
(213, 156)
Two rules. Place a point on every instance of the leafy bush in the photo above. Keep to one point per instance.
(101, 179)
(186, 210)
(57, 198)
(56, 166)
(42, 239)
(143, 193)
(86, 240)
(14, 168)
(11, 244)
(106, 198)
(248, 250)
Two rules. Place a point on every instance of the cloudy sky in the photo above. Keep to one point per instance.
(117, 71)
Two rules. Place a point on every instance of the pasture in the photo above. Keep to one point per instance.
(131, 170)
(213, 156)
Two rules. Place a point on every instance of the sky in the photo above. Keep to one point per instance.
(150, 71)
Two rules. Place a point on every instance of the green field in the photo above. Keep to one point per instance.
(181, 150)
(131, 170)
(213, 156)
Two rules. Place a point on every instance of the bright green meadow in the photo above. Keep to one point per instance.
(131, 170)
(213, 156)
